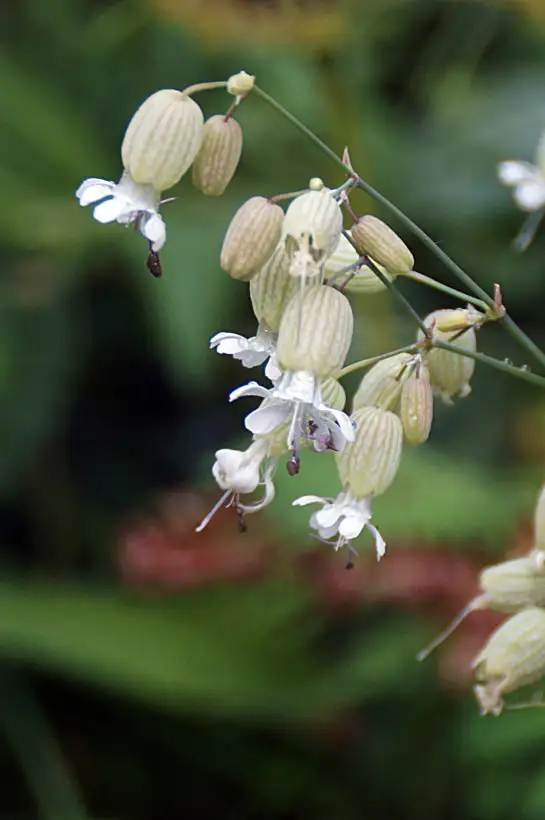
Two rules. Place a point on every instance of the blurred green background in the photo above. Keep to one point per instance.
(149, 672)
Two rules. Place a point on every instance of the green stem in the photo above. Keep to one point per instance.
(505, 367)
(352, 368)
(512, 328)
(422, 279)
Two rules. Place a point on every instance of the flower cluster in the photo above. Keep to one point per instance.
(301, 262)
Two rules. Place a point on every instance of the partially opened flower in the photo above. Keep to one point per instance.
(159, 145)
(125, 202)
(342, 519)
(241, 472)
(526, 180)
(252, 351)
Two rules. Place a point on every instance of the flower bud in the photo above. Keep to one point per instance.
(416, 409)
(314, 221)
(240, 84)
(514, 656)
(218, 156)
(252, 236)
(539, 521)
(376, 451)
(507, 587)
(381, 385)
(363, 279)
(162, 139)
(272, 287)
(450, 372)
(315, 332)
(374, 238)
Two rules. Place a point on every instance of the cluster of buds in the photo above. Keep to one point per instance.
(514, 655)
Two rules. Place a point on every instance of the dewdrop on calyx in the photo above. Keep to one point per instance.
(506, 587)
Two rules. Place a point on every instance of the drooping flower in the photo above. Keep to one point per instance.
(251, 352)
(342, 519)
(241, 472)
(296, 398)
(125, 202)
(527, 182)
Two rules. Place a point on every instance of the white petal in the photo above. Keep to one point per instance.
(514, 172)
(530, 196)
(351, 526)
(250, 389)
(329, 516)
(153, 228)
(228, 343)
(344, 422)
(380, 543)
(268, 497)
(272, 369)
(252, 358)
(267, 418)
(303, 500)
(110, 210)
(324, 532)
(91, 190)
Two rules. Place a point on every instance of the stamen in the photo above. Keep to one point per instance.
(213, 511)
(293, 464)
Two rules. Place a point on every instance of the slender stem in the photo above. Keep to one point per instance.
(505, 367)
(352, 368)
(289, 195)
(512, 328)
(194, 89)
(392, 287)
(422, 279)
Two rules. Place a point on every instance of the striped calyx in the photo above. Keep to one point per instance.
(162, 139)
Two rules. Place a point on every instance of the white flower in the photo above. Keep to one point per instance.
(342, 519)
(297, 394)
(239, 472)
(126, 202)
(251, 352)
(527, 182)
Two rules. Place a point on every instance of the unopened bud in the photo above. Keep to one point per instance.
(315, 332)
(450, 372)
(240, 84)
(514, 656)
(218, 156)
(416, 411)
(374, 238)
(316, 184)
(361, 279)
(381, 385)
(162, 139)
(252, 236)
(314, 222)
(507, 587)
(272, 287)
(376, 451)
(539, 521)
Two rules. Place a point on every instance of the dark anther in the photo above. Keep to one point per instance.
(241, 521)
(153, 263)
(293, 465)
(350, 563)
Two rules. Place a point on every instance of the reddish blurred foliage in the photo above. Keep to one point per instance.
(163, 552)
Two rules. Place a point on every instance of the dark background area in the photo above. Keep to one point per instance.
(150, 672)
